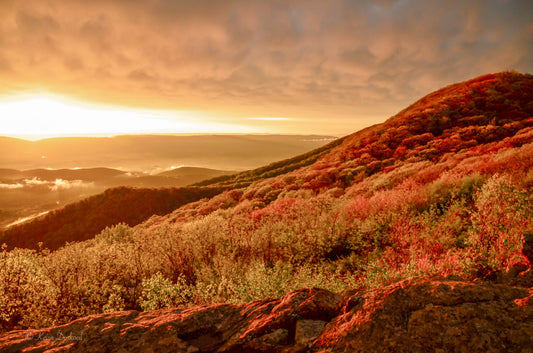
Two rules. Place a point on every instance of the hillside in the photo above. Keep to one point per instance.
(26, 194)
(82, 220)
(467, 119)
(473, 118)
(467, 115)
(442, 189)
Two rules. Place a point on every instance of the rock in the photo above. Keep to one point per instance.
(423, 315)
(280, 336)
(527, 247)
(303, 304)
(446, 314)
(517, 275)
(308, 330)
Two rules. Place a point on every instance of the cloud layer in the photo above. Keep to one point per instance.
(56, 185)
(309, 59)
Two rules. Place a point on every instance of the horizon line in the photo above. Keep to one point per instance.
(103, 135)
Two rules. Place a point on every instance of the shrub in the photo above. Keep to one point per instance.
(159, 293)
(26, 295)
(501, 214)
(119, 233)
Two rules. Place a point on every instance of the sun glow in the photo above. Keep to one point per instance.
(41, 117)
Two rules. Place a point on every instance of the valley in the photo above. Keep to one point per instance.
(31, 193)
(68, 173)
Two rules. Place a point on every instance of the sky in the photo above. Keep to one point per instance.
(242, 66)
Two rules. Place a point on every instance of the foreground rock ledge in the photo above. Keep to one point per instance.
(428, 314)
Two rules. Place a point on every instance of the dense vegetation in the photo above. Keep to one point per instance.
(468, 115)
(443, 187)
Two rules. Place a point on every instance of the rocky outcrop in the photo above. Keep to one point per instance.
(428, 314)
(438, 315)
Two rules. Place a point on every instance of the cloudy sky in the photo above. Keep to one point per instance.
(324, 66)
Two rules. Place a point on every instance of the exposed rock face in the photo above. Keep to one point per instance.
(440, 315)
(433, 314)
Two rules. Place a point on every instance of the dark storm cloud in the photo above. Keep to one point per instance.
(347, 57)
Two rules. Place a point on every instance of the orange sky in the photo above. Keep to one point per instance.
(325, 67)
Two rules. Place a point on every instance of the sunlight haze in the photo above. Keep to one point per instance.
(41, 117)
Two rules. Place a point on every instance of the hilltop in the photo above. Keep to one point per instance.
(440, 192)
(466, 115)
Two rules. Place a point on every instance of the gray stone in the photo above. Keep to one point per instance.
(308, 330)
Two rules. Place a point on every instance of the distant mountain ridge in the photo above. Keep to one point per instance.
(194, 172)
(86, 174)
(179, 176)
(153, 153)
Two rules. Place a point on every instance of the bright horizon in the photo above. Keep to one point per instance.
(45, 116)
(41, 116)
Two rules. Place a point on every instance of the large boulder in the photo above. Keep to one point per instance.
(440, 314)
(434, 315)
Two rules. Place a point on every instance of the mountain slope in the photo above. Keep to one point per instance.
(478, 116)
(465, 115)
(274, 169)
(485, 114)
